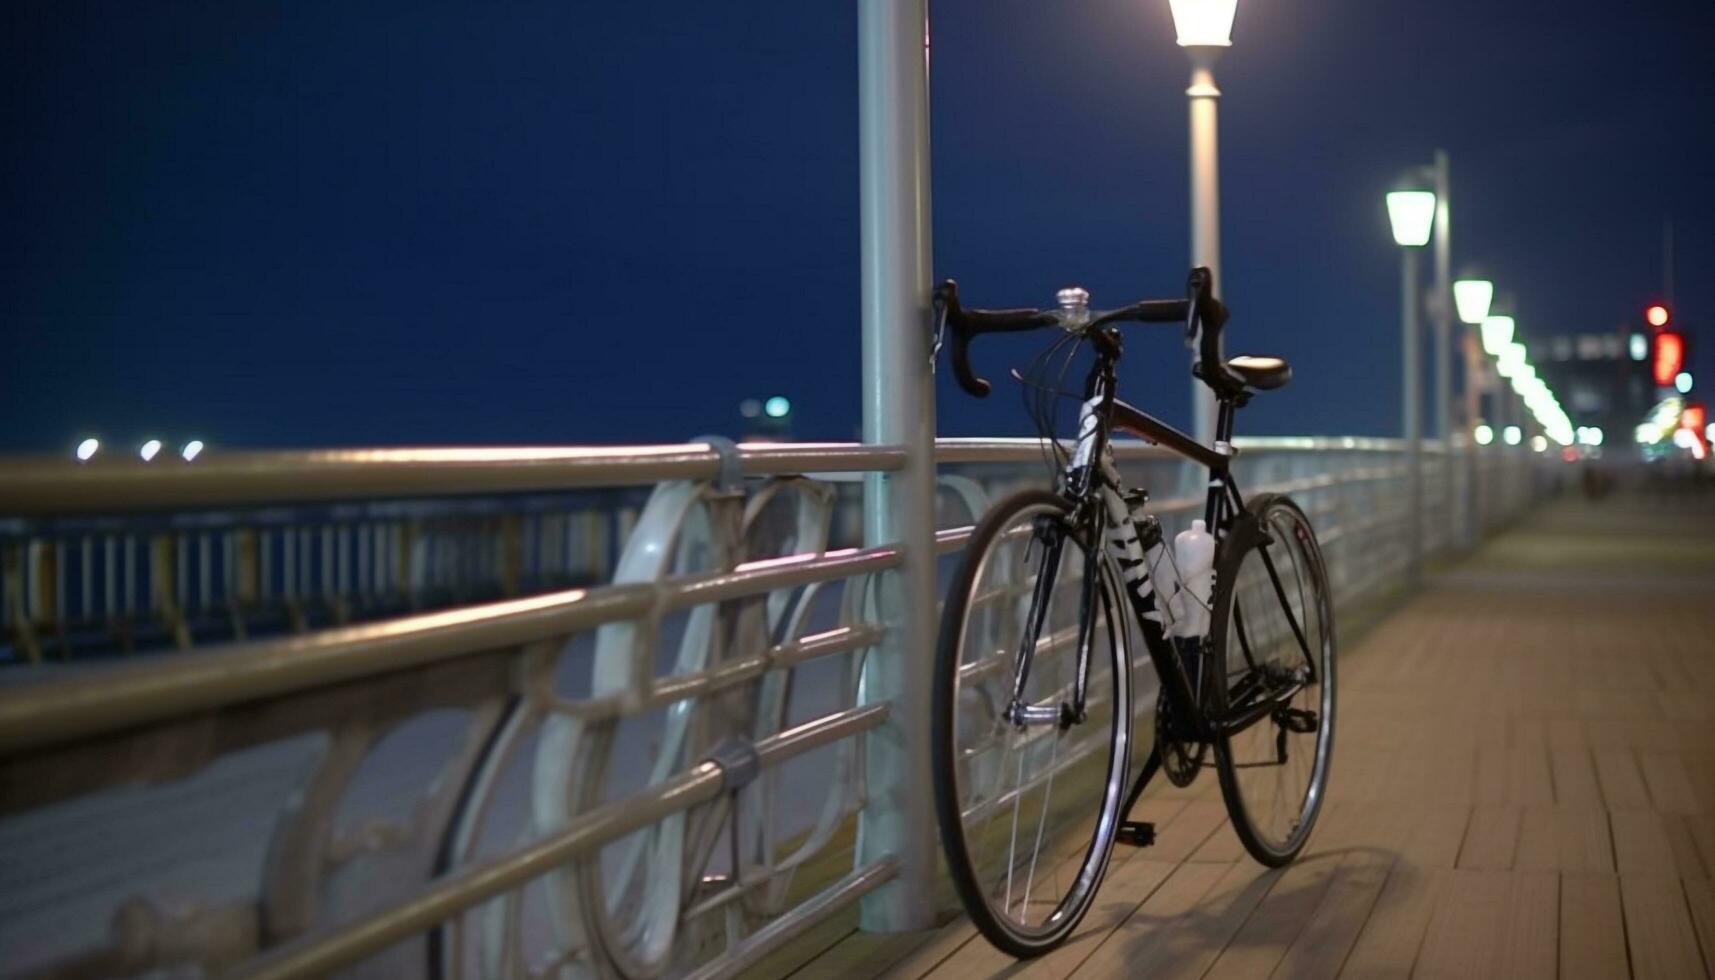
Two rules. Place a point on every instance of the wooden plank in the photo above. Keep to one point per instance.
(1154, 938)
(1700, 895)
(1592, 927)
(1120, 895)
(1641, 845)
(1434, 841)
(1491, 839)
(1467, 933)
(1669, 785)
(1533, 927)
(924, 957)
(1574, 777)
(1621, 780)
(1659, 932)
(1564, 839)
(1325, 940)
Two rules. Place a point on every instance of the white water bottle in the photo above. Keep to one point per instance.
(1194, 553)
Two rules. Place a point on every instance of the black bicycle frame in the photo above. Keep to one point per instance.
(1222, 507)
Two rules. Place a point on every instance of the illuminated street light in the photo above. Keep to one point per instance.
(1204, 29)
(1511, 435)
(1203, 23)
(1639, 347)
(1539, 444)
(777, 407)
(1472, 297)
(1412, 214)
(1510, 360)
(191, 450)
(149, 449)
(1497, 334)
(1682, 381)
(87, 449)
(1657, 315)
(1483, 434)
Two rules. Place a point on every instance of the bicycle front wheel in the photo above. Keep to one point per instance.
(1028, 810)
(1273, 639)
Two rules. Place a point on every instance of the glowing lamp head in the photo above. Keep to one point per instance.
(191, 450)
(1483, 434)
(1412, 214)
(777, 407)
(87, 449)
(149, 450)
(1497, 334)
(1682, 382)
(1203, 23)
(1472, 297)
(1511, 435)
(1657, 315)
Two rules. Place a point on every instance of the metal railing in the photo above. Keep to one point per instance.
(661, 771)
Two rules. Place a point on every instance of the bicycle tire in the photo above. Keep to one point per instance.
(1273, 523)
(1020, 938)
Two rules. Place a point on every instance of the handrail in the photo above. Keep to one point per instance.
(39, 486)
(50, 486)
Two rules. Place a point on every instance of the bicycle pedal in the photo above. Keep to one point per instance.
(1137, 833)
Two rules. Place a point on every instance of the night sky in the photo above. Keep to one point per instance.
(378, 223)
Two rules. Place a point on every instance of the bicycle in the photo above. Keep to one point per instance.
(1021, 704)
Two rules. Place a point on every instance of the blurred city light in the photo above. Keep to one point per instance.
(1203, 23)
(1657, 315)
(1639, 347)
(1682, 381)
(1669, 357)
(191, 450)
(777, 407)
(1484, 435)
(1511, 435)
(1539, 444)
(1497, 334)
(1412, 214)
(1472, 298)
(750, 408)
(149, 449)
(87, 449)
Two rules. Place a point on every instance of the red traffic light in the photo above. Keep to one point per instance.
(1669, 357)
(1657, 315)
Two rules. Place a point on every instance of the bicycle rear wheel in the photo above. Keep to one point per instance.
(1028, 812)
(1273, 635)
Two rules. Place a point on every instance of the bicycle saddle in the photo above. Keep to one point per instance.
(1261, 373)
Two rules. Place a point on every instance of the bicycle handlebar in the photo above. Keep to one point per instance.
(1199, 310)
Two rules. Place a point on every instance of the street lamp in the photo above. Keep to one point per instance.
(1472, 297)
(1205, 29)
(1411, 211)
(1497, 334)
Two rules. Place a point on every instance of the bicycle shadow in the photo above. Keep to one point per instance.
(1203, 910)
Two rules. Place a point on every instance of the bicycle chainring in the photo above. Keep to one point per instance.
(1181, 757)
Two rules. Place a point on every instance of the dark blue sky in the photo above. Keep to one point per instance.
(319, 223)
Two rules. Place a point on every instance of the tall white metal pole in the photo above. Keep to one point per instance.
(898, 820)
(1442, 309)
(1205, 207)
(1411, 344)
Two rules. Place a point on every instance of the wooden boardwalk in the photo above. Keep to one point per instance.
(1523, 786)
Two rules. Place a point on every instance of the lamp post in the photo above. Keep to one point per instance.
(1411, 211)
(1472, 296)
(1204, 29)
